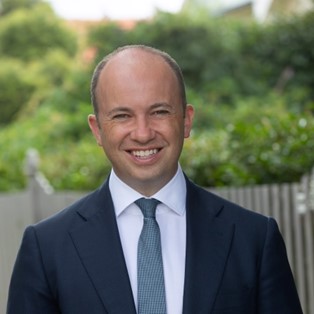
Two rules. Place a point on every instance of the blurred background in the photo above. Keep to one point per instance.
(248, 67)
(249, 71)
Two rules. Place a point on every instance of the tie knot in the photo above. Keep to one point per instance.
(147, 206)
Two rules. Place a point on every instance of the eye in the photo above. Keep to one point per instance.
(121, 116)
(161, 112)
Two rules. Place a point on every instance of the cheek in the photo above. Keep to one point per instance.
(174, 134)
(113, 135)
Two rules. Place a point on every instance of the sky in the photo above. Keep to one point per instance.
(112, 9)
(133, 9)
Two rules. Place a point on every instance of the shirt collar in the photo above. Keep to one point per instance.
(173, 194)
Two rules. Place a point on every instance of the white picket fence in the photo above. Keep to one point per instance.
(292, 205)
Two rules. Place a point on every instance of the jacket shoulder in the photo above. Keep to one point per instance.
(221, 207)
(82, 209)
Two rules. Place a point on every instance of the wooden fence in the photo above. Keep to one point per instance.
(292, 205)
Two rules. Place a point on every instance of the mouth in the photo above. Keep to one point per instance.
(144, 154)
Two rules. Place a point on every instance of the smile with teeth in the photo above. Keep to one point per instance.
(144, 153)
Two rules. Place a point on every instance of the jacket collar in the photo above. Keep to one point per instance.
(98, 245)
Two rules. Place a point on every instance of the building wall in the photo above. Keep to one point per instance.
(243, 12)
(288, 7)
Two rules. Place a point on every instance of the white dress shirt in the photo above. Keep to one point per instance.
(170, 215)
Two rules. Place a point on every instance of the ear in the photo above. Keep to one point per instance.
(188, 120)
(94, 126)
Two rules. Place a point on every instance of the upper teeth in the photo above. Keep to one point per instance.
(144, 153)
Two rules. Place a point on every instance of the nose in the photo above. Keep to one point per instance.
(142, 131)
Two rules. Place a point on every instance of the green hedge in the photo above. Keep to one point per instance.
(253, 97)
(30, 34)
(255, 144)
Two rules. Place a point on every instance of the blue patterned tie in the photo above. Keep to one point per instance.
(150, 276)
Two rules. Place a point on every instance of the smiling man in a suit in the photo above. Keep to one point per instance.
(209, 256)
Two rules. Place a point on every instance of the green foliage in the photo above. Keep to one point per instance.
(107, 37)
(227, 60)
(70, 158)
(280, 54)
(36, 56)
(54, 67)
(260, 144)
(74, 92)
(30, 35)
(76, 166)
(16, 88)
(251, 85)
(24, 85)
(204, 50)
(8, 6)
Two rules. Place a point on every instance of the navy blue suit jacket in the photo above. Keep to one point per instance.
(73, 263)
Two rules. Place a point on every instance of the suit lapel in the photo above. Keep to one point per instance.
(98, 244)
(207, 248)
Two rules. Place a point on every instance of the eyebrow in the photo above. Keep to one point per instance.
(162, 105)
(129, 109)
(118, 109)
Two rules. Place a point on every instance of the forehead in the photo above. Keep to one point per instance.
(137, 62)
(137, 78)
(133, 55)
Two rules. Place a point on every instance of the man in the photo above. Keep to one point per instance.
(216, 256)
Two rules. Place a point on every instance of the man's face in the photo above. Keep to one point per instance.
(141, 124)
